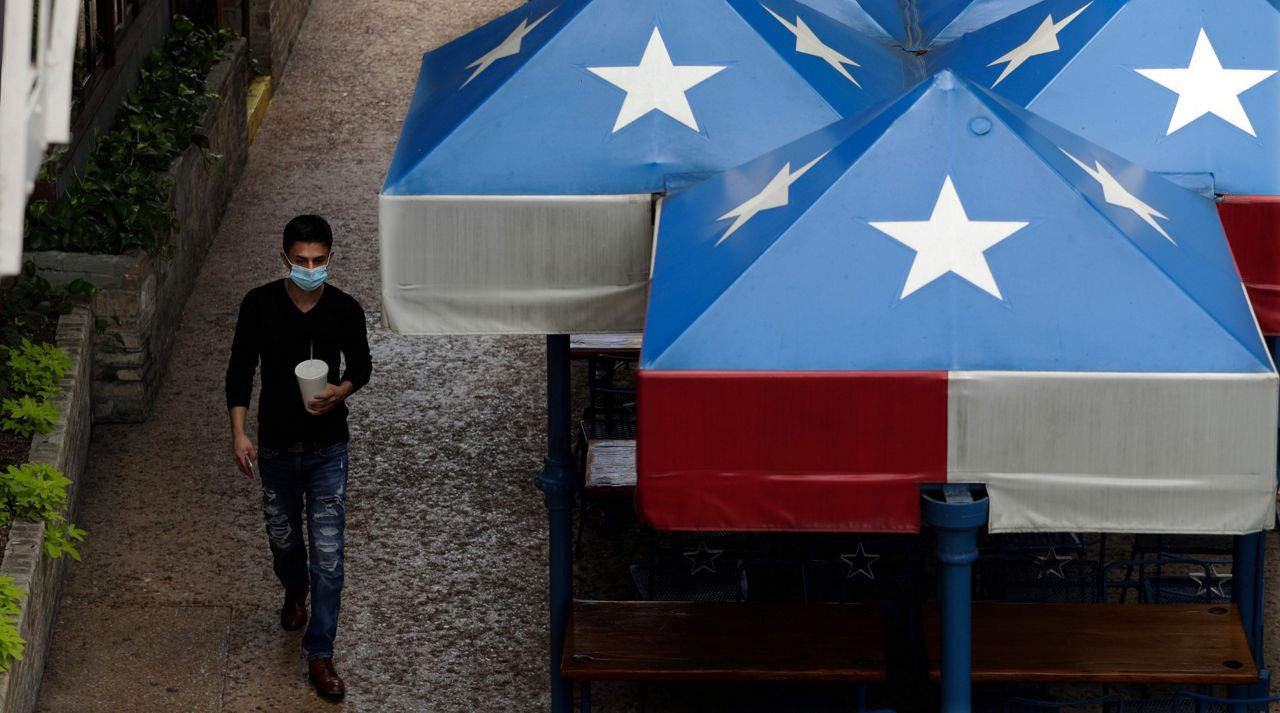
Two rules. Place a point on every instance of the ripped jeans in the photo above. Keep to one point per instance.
(318, 479)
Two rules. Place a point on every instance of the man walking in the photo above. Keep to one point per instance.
(302, 448)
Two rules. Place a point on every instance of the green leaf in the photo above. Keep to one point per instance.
(36, 369)
(27, 416)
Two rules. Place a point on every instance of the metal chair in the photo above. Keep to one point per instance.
(1152, 550)
(1040, 568)
(1175, 580)
(1107, 703)
(610, 414)
(1188, 702)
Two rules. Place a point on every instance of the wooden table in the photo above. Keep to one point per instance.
(621, 344)
(1104, 643)
(724, 641)
(611, 468)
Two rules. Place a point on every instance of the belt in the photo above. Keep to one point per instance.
(304, 446)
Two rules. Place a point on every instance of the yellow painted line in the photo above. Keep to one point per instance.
(259, 98)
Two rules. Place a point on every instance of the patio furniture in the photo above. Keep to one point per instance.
(611, 468)
(615, 344)
(1104, 643)
(715, 641)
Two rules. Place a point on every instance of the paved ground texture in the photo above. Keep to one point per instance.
(174, 607)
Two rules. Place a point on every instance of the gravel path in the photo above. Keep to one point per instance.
(174, 607)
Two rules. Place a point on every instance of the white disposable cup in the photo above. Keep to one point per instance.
(313, 376)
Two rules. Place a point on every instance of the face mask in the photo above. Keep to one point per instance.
(309, 279)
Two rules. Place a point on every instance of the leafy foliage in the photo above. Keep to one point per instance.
(32, 491)
(27, 416)
(11, 643)
(38, 491)
(29, 304)
(60, 538)
(36, 369)
(121, 203)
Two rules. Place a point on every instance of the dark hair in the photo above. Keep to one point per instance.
(308, 229)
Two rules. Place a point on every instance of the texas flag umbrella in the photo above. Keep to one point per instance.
(950, 289)
(1188, 87)
(852, 14)
(919, 25)
(519, 198)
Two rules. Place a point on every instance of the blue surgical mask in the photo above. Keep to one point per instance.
(309, 279)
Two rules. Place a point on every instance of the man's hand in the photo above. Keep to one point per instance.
(327, 400)
(243, 450)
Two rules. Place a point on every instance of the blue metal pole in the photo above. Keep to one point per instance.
(956, 515)
(1248, 578)
(558, 484)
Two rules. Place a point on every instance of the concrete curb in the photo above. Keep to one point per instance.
(67, 449)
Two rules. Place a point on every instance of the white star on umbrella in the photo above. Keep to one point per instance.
(702, 559)
(656, 85)
(949, 242)
(860, 563)
(1214, 584)
(808, 43)
(775, 195)
(1204, 87)
(1052, 564)
(1043, 41)
(509, 47)
(1118, 195)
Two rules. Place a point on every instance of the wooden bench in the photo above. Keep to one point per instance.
(724, 641)
(611, 468)
(622, 344)
(1103, 643)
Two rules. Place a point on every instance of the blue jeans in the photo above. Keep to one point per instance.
(318, 480)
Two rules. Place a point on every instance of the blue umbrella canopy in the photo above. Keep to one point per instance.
(592, 97)
(852, 14)
(979, 14)
(819, 255)
(519, 197)
(950, 289)
(1179, 87)
(919, 25)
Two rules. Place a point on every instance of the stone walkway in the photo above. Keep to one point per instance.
(174, 606)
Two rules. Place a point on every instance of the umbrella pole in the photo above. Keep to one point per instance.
(1248, 580)
(558, 484)
(956, 514)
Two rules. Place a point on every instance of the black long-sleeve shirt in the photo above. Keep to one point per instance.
(272, 329)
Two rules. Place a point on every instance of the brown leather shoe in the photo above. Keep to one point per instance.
(325, 679)
(293, 615)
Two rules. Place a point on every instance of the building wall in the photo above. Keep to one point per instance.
(273, 27)
(152, 26)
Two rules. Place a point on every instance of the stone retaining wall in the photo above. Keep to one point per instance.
(273, 27)
(67, 449)
(142, 297)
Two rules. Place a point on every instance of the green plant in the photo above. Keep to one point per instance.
(35, 492)
(27, 416)
(32, 301)
(50, 162)
(101, 327)
(11, 643)
(112, 209)
(28, 305)
(36, 369)
(60, 538)
(121, 202)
